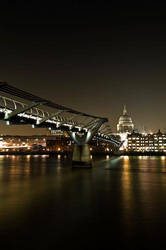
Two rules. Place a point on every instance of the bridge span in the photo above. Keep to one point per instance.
(18, 107)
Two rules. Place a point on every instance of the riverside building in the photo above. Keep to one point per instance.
(147, 142)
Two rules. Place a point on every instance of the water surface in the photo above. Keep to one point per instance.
(45, 204)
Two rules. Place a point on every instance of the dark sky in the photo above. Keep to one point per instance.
(92, 57)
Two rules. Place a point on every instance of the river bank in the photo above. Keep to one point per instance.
(69, 153)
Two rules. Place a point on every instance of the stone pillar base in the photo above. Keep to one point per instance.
(81, 156)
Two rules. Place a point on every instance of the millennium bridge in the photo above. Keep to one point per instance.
(18, 107)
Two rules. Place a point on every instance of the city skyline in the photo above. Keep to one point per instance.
(28, 130)
(90, 57)
(82, 124)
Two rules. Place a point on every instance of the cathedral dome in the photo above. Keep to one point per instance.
(125, 118)
(125, 123)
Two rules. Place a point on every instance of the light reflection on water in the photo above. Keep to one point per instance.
(120, 196)
(107, 157)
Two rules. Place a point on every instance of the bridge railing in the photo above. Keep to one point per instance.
(50, 112)
(8, 105)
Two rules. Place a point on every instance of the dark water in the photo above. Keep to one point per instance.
(120, 202)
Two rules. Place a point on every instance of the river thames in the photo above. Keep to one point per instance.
(45, 204)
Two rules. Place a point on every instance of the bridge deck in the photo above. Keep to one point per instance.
(9, 89)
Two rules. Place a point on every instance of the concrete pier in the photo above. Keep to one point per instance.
(81, 156)
(81, 152)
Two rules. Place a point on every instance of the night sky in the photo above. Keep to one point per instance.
(92, 57)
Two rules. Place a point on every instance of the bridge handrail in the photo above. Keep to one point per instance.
(15, 106)
(9, 105)
(5, 87)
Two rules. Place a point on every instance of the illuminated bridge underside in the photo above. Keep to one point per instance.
(18, 107)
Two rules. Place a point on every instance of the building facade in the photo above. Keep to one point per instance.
(147, 142)
(125, 123)
(124, 127)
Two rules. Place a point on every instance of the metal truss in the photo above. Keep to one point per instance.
(17, 112)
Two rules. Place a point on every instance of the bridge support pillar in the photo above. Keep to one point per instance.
(81, 153)
(81, 156)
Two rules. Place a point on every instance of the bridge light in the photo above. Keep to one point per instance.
(107, 157)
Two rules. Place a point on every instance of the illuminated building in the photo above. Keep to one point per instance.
(147, 142)
(124, 126)
(54, 142)
(59, 143)
(21, 143)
